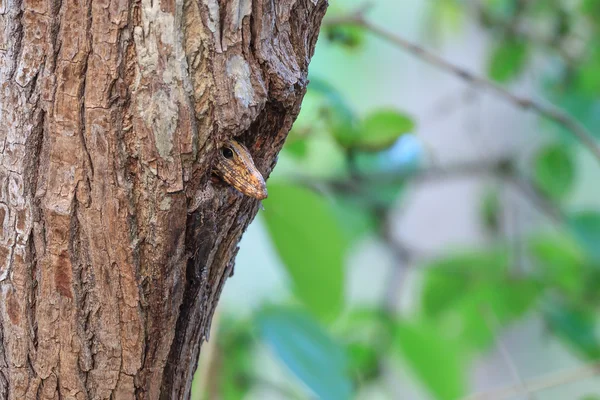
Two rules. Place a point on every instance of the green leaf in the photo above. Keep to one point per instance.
(364, 360)
(449, 279)
(575, 326)
(591, 8)
(556, 250)
(311, 244)
(308, 351)
(344, 132)
(585, 227)
(436, 361)
(460, 292)
(508, 60)
(554, 170)
(559, 261)
(448, 14)
(381, 129)
(441, 290)
(349, 36)
(588, 76)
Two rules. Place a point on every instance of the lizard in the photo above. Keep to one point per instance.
(235, 166)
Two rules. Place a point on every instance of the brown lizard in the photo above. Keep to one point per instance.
(235, 166)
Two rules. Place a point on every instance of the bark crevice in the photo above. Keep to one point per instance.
(115, 243)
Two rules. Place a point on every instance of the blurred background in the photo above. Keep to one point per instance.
(433, 225)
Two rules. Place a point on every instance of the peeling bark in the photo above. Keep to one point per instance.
(114, 242)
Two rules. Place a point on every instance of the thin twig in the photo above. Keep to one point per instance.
(397, 275)
(494, 325)
(539, 384)
(502, 169)
(538, 200)
(552, 113)
(400, 253)
(472, 168)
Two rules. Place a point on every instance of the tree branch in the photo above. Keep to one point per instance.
(550, 112)
(539, 384)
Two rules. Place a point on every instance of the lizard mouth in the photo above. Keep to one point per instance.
(257, 189)
(252, 185)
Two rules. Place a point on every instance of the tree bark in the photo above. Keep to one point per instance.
(115, 243)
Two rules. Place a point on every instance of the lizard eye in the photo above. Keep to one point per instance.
(227, 153)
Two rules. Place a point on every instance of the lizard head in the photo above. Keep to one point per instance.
(235, 166)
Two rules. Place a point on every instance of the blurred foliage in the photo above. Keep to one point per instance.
(467, 298)
(434, 359)
(310, 353)
(508, 59)
(314, 257)
(554, 170)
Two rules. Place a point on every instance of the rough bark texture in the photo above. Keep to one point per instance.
(114, 242)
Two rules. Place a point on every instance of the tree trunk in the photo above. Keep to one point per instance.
(115, 242)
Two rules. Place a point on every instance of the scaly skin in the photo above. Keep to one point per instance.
(236, 167)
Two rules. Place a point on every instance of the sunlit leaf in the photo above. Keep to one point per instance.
(436, 361)
(308, 351)
(311, 244)
(441, 290)
(508, 60)
(554, 170)
(447, 14)
(560, 261)
(381, 129)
